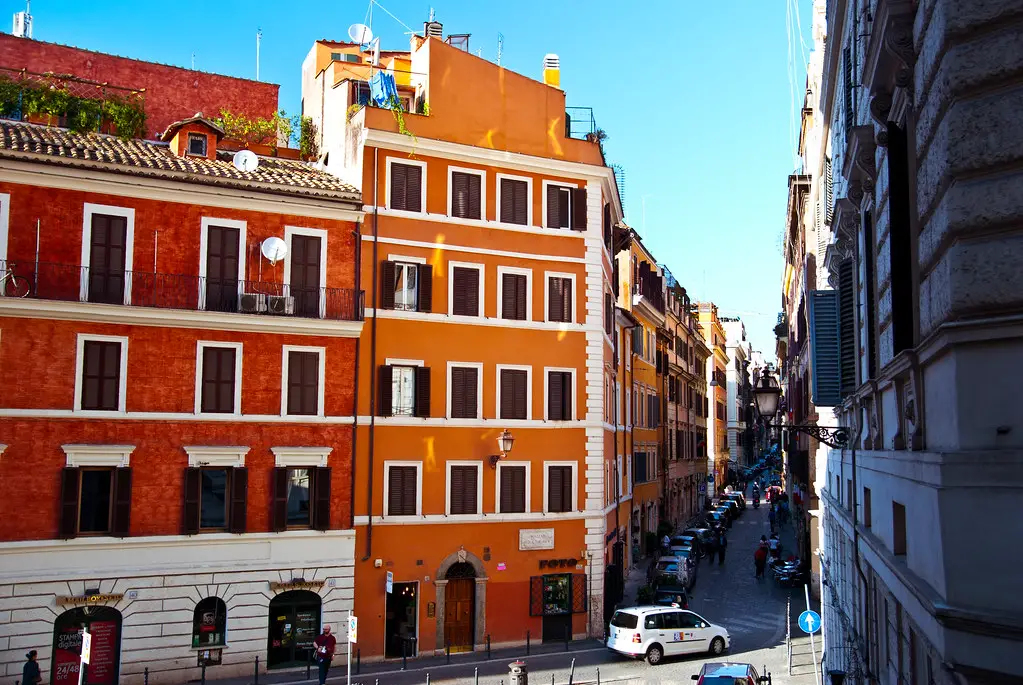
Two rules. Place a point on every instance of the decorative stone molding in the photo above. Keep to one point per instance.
(216, 455)
(300, 456)
(880, 106)
(118, 456)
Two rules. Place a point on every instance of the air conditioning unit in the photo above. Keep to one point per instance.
(252, 303)
(281, 304)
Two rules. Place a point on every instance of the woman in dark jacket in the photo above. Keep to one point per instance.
(30, 673)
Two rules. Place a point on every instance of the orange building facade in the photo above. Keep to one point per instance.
(176, 422)
(486, 268)
(717, 386)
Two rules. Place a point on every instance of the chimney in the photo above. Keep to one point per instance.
(552, 70)
(433, 28)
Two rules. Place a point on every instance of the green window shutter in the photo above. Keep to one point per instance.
(825, 348)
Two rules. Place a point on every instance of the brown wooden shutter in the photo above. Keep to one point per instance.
(509, 296)
(279, 503)
(387, 275)
(475, 196)
(463, 489)
(513, 489)
(459, 194)
(414, 188)
(507, 201)
(238, 515)
(193, 492)
(566, 487)
(555, 298)
(555, 396)
(385, 404)
(520, 380)
(120, 525)
(464, 400)
(321, 493)
(578, 196)
(425, 284)
(472, 294)
(459, 306)
(303, 383)
(401, 491)
(555, 487)
(399, 185)
(422, 401)
(566, 300)
(553, 206)
(514, 201)
(578, 584)
(536, 596)
(70, 479)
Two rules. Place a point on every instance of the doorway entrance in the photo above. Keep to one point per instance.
(104, 624)
(294, 624)
(460, 607)
(557, 607)
(402, 608)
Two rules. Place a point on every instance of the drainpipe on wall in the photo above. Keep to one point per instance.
(373, 360)
(359, 304)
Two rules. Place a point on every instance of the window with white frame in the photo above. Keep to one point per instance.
(559, 487)
(403, 488)
(403, 390)
(465, 388)
(515, 293)
(302, 381)
(101, 377)
(513, 487)
(406, 185)
(466, 193)
(406, 290)
(464, 487)
(108, 244)
(559, 395)
(560, 300)
(465, 289)
(218, 377)
(514, 199)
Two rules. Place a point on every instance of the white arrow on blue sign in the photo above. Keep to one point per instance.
(810, 622)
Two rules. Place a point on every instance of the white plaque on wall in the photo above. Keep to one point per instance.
(536, 538)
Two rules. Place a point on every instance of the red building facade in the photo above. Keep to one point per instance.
(176, 421)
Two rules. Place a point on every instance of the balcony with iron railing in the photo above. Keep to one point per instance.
(73, 283)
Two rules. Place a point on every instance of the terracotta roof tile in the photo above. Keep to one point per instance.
(146, 158)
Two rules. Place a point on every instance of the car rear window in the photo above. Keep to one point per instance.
(624, 620)
(724, 680)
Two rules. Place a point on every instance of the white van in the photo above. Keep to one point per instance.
(654, 632)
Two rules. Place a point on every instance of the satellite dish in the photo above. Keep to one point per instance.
(274, 249)
(360, 33)
(245, 160)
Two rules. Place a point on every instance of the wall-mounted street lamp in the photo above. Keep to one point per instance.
(767, 395)
(504, 443)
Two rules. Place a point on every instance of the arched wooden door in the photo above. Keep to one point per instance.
(460, 607)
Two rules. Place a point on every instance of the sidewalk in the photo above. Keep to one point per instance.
(393, 667)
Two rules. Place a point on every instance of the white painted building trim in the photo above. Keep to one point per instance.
(321, 233)
(204, 243)
(98, 455)
(546, 393)
(434, 519)
(300, 456)
(476, 250)
(5, 220)
(529, 198)
(483, 189)
(320, 382)
(547, 482)
(479, 386)
(393, 361)
(489, 225)
(128, 213)
(237, 347)
(547, 276)
(479, 486)
(405, 258)
(391, 161)
(216, 455)
(529, 389)
(122, 380)
(528, 273)
(475, 321)
(482, 269)
(388, 463)
(529, 484)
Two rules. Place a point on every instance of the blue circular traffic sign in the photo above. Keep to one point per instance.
(810, 622)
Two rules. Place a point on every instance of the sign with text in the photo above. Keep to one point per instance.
(536, 538)
(86, 647)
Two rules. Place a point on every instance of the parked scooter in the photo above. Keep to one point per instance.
(756, 501)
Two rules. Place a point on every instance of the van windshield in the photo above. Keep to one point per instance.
(624, 620)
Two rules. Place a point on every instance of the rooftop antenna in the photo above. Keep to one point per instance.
(193, 61)
(259, 37)
(500, 47)
(363, 35)
(23, 22)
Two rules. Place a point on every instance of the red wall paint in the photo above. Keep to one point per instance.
(32, 461)
(172, 93)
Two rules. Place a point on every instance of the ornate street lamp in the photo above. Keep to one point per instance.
(504, 443)
(767, 395)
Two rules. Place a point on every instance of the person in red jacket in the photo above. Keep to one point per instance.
(325, 644)
(760, 556)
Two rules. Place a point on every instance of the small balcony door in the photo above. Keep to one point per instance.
(222, 246)
(107, 253)
(305, 274)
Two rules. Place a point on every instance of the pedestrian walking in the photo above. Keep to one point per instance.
(775, 545)
(722, 544)
(760, 557)
(772, 518)
(325, 645)
(30, 671)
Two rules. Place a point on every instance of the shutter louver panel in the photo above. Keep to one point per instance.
(387, 276)
(465, 291)
(70, 479)
(425, 285)
(385, 391)
(321, 492)
(513, 296)
(459, 194)
(464, 401)
(279, 500)
(121, 521)
(422, 383)
(829, 194)
(414, 189)
(239, 500)
(401, 491)
(513, 394)
(399, 182)
(847, 327)
(536, 596)
(554, 489)
(464, 480)
(475, 196)
(578, 196)
(193, 491)
(513, 489)
(848, 102)
(507, 208)
(553, 206)
(555, 396)
(824, 348)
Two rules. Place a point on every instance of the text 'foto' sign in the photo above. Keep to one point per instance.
(810, 622)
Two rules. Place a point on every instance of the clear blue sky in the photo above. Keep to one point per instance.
(694, 95)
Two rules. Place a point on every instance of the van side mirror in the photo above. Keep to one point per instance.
(695, 677)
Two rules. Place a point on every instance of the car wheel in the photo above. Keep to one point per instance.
(717, 646)
(654, 655)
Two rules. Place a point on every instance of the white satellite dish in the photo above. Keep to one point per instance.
(274, 249)
(245, 160)
(360, 33)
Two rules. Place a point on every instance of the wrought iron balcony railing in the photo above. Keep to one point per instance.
(73, 283)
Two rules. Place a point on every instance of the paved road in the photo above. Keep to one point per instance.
(752, 611)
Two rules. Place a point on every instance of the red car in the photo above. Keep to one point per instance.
(730, 674)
